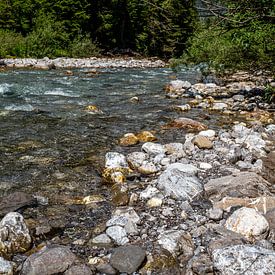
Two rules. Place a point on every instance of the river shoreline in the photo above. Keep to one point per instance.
(78, 63)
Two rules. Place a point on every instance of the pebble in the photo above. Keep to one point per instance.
(154, 202)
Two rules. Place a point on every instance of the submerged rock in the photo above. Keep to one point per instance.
(14, 235)
(187, 123)
(127, 258)
(49, 260)
(244, 259)
(128, 140)
(146, 136)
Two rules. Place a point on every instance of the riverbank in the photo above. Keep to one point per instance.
(75, 63)
(201, 204)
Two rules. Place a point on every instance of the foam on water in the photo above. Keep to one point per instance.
(25, 107)
(61, 92)
(4, 88)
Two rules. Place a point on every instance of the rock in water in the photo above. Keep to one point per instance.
(179, 182)
(15, 201)
(14, 235)
(127, 258)
(115, 160)
(244, 259)
(249, 223)
(244, 184)
(50, 260)
(187, 123)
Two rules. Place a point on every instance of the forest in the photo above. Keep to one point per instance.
(221, 33)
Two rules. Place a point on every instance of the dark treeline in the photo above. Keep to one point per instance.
(149, 27)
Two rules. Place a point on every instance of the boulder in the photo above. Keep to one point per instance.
(244, 259)
(49, 260)
(128, 258)
(243, 184)
(249, 223)
(178, 181)
(14, 235)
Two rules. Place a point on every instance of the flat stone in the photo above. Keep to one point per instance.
(115, 160)
(127, 212)
(244, 259)
(219, 106)
(187, 123)
(49, 260)
(178, 182)
(15, 201)
(249, 223)
(146, 136)
(127, 258)
(101, 239)
(243, 184)
(6, 267)
(14, 235)
(153, 148)
(187, 169)
(117, 234)
(202, 142)
(174, 148)
(79, 269)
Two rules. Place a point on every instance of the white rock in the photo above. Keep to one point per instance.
(6, 267)
(149, 192)
(174, 148)
(188, 169)
(127, 212)
(248, 222)
(208, 133)
(154, 202)
(101, 239)
(148, 168)
(118, 234)
(115, 160)
(218, 106)
(180, 84)
(244, 259)
(117, 220)
(153, 148)
(135, 159)
(205, 166)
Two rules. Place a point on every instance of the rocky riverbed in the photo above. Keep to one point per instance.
(205, 205)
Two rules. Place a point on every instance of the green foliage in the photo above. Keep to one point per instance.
(269, 94)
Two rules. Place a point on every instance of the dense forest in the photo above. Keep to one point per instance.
(217, 32)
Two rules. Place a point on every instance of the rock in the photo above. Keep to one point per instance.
(14, 235)
(115, 160)
(215, 214)
(136, 159)
(208, 133)
(153, 148)
(146, 136)
(128, 140)
(187, 123)
(147, 168)
(118, 234)
(202, 264)
(261, 204)
(202, 142)
(182, 108)
(134, 99)
(127, 258)
(177, 242)
(105, 268)
(49, 260)
(205, 166)
(92, 109)
(174, 148)
(243, 184)
(268, 167)
(6, 267)
(79, 269)
(219, 106)
(120, 195)
(249, 223)
(15, 201)
(244, 259)
(101, 239)
(154, 202)
(178, 181)
(127, 212)
(149, 192)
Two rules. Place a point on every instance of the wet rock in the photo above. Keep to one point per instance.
(49, 260)
(261, 204)
(153, 148)
(15, 201)
(92, 109)
(177, 242)
(101, 239)
(146, 136)
(244, 184)
(6, 267)
(115, 160)
(178, 85)
(154, 202)
(128, 140)
(79, 269)
(136, 159)
(120, 195)
(134, 99)
(14, 235)
(118, 234)
(202, 142)
(182, 108)
(178, 181)
(243, 259)
(187, 123)
(249, 223)
(127, 258)
(268, 167)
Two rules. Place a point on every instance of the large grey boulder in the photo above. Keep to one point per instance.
(127, 258)
(14, 235)
(50, 260)
(179, 181)
(243, 259)
(243, 184)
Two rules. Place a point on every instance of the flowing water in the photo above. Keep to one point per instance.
(51, 146)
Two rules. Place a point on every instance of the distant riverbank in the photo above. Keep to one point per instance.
(71, 63)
